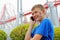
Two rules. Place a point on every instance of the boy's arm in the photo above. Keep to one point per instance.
(28, 34)
(37, 37)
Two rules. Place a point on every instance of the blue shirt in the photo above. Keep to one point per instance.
(45, 28)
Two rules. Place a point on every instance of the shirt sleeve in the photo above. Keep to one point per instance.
(42, 29)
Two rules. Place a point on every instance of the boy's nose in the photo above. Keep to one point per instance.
(35, 14)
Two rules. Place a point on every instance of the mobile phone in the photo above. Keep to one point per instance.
(32, 18)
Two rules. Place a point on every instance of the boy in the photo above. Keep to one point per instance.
(44, 31)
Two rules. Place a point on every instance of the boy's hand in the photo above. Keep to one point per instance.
(32, 23)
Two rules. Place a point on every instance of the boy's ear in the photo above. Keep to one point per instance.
(43, 11)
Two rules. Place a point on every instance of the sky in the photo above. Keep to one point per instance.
(11, 6)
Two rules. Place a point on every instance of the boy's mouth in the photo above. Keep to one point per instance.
(36, 17)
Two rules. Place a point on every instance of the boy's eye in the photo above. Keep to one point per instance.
(40, 12)
(32, 13)
(35, 12)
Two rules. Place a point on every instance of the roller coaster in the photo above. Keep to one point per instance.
(14, 17)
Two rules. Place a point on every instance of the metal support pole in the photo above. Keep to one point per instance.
(21, 12)
(53, 14)
(47, 1)
(17, 16)
(56, 10)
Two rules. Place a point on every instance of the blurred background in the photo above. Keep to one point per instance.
(14, 13)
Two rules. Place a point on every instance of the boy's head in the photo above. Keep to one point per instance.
(38, 12)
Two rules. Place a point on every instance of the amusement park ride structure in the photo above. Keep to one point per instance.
(56, 3)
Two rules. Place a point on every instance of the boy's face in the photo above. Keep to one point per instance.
(38, 14)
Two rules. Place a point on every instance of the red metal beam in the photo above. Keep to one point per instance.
(57, 3)
(27, 13)
(9, 20)
(3, 12)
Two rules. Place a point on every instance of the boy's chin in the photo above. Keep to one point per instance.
(38, 20)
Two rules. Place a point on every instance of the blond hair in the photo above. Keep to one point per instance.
(38, 6)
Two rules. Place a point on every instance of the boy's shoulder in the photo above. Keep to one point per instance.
(46, 20)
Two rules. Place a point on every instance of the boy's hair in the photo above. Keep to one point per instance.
(38, 6)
